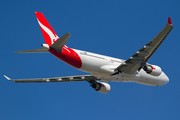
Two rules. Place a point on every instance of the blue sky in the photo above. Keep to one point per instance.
(114, 28)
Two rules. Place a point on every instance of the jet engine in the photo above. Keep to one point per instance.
(101, 87)
(153, 70)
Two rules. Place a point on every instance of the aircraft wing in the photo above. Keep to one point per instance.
(140, 58)
(55, 79)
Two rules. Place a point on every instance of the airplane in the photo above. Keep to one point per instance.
(102, 68)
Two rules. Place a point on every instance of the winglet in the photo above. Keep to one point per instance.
(169, 21)
(7, 77)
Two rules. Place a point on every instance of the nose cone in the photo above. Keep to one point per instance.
(164, 79)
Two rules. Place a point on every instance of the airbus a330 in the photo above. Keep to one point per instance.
(102, 68)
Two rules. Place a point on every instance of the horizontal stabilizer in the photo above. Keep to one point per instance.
(33, 51)
(58, 45)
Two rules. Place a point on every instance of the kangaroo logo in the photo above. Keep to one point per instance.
(53, 37)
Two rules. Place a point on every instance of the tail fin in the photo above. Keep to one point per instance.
(49, 34)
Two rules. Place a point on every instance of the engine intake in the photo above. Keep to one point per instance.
(101, 87)
(153, 70)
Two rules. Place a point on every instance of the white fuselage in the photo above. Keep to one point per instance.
(103, 67)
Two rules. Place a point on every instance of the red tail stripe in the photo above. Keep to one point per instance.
(69, 56)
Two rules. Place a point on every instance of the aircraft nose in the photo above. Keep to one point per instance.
(165, 79)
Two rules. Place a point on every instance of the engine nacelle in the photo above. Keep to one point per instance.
(153, 70)
(101, 87)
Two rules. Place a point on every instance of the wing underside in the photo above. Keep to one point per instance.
(55, 79)
(140, 58)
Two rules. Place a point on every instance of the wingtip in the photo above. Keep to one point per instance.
(68, 33)
(7, 77)
(169, 21)
(17, 52)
